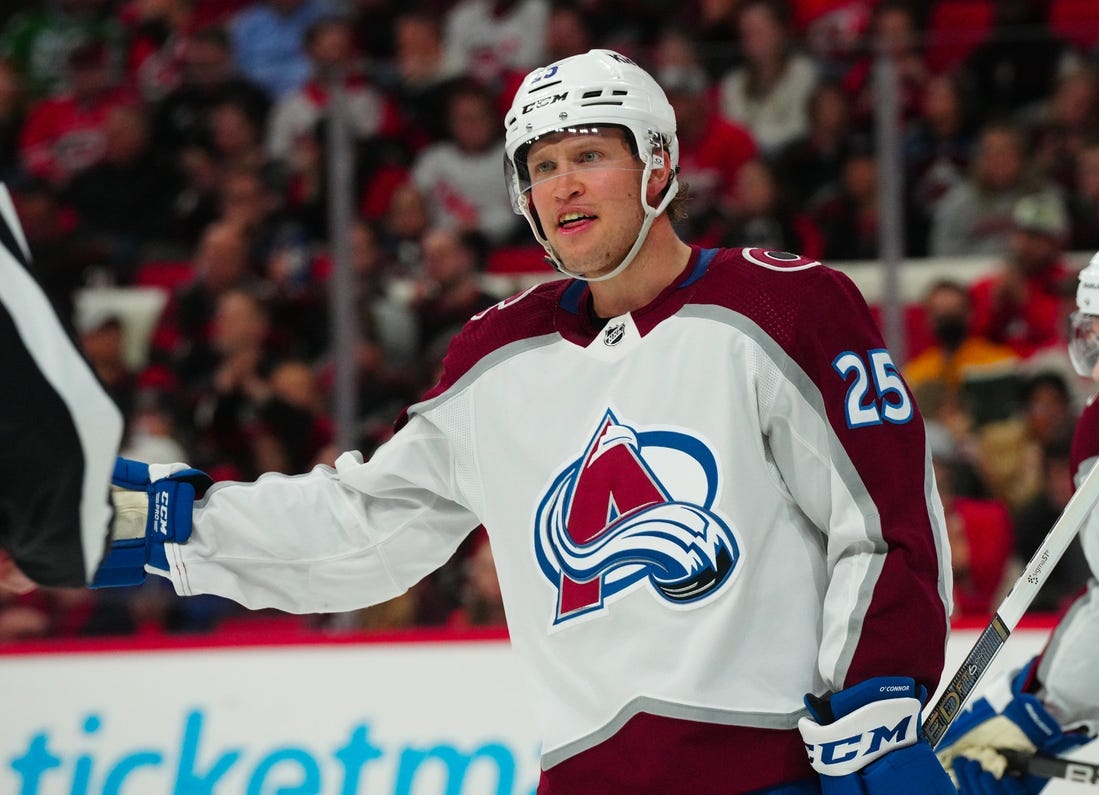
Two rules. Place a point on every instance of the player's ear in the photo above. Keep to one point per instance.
(658, 176)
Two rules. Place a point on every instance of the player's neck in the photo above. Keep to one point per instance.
(660, 261)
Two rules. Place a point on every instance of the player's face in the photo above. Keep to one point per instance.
(1083, 343)
(1095, 334)
(585, 189)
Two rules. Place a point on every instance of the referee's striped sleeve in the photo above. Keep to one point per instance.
(59, 430)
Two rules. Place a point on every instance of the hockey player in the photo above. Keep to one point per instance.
(1050, 705)
(707, 489)
(59, 431)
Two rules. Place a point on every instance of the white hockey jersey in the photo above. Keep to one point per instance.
(700, 511)
(1069, 668)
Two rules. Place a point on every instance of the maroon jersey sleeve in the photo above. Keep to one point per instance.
(870, 488)
(875, 419)
(1085, 439)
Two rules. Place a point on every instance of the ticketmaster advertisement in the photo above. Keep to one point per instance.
(404, 719)
(424, 718)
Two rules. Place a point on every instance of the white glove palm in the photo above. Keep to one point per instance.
(1006, 719)
(985, 743)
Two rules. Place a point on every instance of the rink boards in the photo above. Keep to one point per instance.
(422, 717)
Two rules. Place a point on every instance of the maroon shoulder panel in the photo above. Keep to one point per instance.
(1085, 439)
(820, 319)
(524, 315)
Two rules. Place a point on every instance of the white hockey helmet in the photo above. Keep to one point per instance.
(598, 88)
(1083, 344)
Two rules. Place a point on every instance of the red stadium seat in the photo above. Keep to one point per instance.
(517, 259)
(211, 13)
(808, 12)
(1076, 20)
(166, 274)
(954, 29)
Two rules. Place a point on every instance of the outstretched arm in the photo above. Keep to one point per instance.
(329, 540)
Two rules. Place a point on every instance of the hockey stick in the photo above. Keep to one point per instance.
(1052, 767)
(1015, 604)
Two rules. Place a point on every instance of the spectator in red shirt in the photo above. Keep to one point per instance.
(159, 37)
(67, 133)
(1023, 304)
(981, 543)
(712, 149)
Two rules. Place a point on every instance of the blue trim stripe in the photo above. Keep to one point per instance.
(570, 299)
(703, 263)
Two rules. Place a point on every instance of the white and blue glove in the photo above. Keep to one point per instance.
(1006, 722)
(868, 740)
(153, 505)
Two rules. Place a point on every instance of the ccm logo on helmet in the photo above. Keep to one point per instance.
(543, 101)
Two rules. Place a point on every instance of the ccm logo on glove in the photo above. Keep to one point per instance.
(838, 749)
(162, 499)
(152, 507)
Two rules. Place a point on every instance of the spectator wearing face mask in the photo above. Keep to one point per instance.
(962, 365)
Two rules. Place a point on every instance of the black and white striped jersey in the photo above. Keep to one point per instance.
(59, 430)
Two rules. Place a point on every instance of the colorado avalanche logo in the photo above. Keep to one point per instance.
(634, 508)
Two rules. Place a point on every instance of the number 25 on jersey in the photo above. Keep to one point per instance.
(877, 391)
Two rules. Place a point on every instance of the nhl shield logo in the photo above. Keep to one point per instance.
(635, 509)
(612, 335)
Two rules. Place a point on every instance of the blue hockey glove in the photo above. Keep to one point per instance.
(1006, 719)
(868, 740)
(153, 504)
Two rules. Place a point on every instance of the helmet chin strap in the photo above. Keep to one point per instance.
(642, 233)
(650, 215)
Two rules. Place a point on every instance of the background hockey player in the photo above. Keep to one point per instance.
(1051, 704)
(707, 489)
(59, 431)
